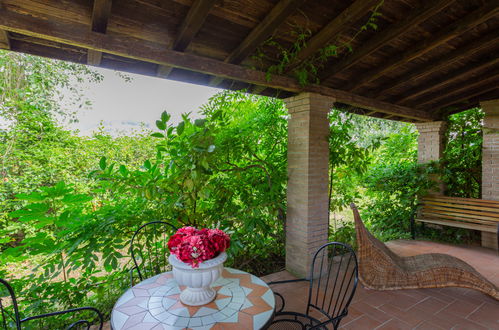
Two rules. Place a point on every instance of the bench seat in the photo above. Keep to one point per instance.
(467, 213)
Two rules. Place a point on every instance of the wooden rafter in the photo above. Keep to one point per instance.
(100, 17)
(78, 35)
(483, 80)
(462, 25)
(460, 53)
(447, 79)
(348, 16)
(382, 38)
(477, 92)
(261, 32)
(191, 25)
(4, 40)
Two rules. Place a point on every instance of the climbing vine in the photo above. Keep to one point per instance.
(306, 71)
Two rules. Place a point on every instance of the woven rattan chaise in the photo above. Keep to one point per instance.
(382, 269)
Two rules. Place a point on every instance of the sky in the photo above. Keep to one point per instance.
(121, 106)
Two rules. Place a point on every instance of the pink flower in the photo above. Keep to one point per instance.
(194, 246)
(174, 242)
(219, 239)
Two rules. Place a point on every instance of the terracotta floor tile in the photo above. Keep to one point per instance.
(413, 316)
(431, 305)
(459, 322)
(427, 325)
(461, 308)
(394, 324)
(374, 313)
(363, 322)
(487, 315)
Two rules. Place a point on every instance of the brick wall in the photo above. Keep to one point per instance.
(307, 192)
(490, 161)
(431, 145)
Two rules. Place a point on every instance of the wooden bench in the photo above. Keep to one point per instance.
(468, 213)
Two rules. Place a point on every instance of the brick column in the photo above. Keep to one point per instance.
(307, 194)
(431, 145)
(490, 161)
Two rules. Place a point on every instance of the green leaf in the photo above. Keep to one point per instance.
(147, 164)
(180, 128)
(165, 117)
(76, 199)
(102, 163)
(160, 125)
(123, 170)
(200, 122)
(32, 197)
(158, 135)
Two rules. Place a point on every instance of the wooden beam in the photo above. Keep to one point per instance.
(482, 80)
(190, 26)
(78, 35)
(348, 16)
(4, 40)
(460, 26)
(100, 17)
(261, 32)
(382, 38)
(460, 53)
(468, 96)
(446, 79)
(94, 57)
(192, 23)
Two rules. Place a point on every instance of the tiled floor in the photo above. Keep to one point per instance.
(446, 308)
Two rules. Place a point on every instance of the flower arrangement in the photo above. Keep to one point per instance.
(193, 246)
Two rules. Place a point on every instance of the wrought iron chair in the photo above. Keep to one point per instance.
(10, 318)
(334, 277)
(149, 249)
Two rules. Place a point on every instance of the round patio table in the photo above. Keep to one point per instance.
(243, 301)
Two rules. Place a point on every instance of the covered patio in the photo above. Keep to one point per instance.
(412, 61)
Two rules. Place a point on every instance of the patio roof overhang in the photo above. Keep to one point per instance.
(426, 59)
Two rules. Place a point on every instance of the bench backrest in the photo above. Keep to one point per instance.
(479, 211)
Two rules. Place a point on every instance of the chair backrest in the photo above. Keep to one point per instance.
(334, 277)
(149, 248)
(9, 312)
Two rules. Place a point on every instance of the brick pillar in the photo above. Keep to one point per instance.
(307, 194)
(431, 145)
(490, 161)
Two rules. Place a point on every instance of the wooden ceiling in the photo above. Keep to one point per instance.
(423, 61)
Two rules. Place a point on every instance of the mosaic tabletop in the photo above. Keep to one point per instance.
(243, 301)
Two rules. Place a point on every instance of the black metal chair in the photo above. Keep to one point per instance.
(334, 277)
(10, 318)
(149, 249)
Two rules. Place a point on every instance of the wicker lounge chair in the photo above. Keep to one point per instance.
(382, 269)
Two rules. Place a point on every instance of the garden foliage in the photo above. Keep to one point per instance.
(69, 204)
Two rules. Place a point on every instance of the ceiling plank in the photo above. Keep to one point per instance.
(382, 38)
(460, 26)
(4, 40)
(457, 90)
(78, 35)
(261, 32)
(482, 90)
(447, 79)
(190, 26)
(348, 16)
(100, 17)
(460, 53)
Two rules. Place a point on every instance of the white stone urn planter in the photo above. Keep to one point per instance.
(197, 280)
